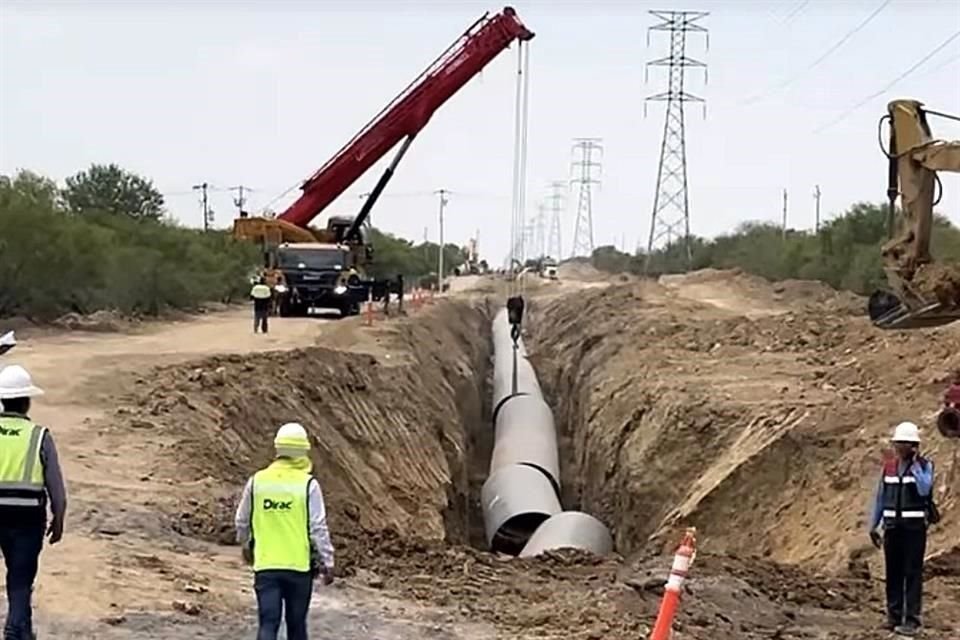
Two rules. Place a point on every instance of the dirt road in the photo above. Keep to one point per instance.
(117, 560)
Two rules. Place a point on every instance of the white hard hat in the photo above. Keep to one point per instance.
(292, 439)
(906, 432)
(15, 382)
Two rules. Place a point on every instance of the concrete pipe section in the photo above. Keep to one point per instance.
(522, 513)
(525, 434)
(516, 500)
(512, 372)
(569, 530)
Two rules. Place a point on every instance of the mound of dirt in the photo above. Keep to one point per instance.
(766, 295)
(580, 269)
(763, 430)
(388, 437)
(940, 281)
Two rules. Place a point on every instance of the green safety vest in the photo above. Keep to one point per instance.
(21, 472)
(280, 518)
(260, 291)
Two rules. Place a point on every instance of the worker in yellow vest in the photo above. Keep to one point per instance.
(282, 525)
(30, 477)
(262, 296)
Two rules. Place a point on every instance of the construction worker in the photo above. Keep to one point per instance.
(901, 511)
(281, 523)
(30, 477)
(262, 296)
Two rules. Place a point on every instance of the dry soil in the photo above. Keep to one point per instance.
(756, 412)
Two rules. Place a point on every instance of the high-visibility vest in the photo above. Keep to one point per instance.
(21, 471)
(261, 291)
(280, 518)
(903, 506)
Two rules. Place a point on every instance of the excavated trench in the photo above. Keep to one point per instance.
(401, 421)
(400, 427)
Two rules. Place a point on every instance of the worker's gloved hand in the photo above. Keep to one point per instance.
(876, 538)
(55, 530)
(247, 552)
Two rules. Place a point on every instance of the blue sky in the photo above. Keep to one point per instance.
(262, 93)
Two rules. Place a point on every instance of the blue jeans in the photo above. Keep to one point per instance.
(21, 547)
(278, 591)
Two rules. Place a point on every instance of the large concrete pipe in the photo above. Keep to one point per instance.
(516, 500)
(525, 434)
(569, 530)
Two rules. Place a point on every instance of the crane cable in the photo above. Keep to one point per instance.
(519, 162)
(523, 162)
(511, 264)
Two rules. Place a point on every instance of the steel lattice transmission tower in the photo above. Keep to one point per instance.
(583, 168)
(671, 204)
(557, 200)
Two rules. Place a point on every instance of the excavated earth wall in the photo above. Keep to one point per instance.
(390, 424)
(758, 415)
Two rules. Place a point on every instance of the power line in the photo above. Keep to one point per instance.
(790, 17)
(839, 43)
(889, 86)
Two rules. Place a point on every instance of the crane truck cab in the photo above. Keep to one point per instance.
(317, 275)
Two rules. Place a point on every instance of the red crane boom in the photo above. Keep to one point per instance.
(405, 116)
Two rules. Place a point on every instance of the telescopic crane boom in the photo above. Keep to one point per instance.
(924, 294)
(402, 119)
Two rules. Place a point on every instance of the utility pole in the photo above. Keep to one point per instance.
(205, 204)
(671, 202)
(784, 226)
(443, 203)
(816, 218)
(240, 200)
(557, 202)
(584, 167)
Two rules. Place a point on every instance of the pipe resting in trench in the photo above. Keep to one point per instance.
(522, 512)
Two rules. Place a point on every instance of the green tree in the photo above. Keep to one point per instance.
(32, 187)
(110, 189)
(845, 253)
(54, 263)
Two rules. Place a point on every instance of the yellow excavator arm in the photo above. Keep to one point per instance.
(923, 293)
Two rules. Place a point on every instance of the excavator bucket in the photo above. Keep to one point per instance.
(887, 311)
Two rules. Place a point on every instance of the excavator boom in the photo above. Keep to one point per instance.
(923, 293)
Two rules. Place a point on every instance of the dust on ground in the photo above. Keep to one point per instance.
(712, 399)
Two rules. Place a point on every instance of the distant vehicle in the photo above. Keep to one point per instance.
(548, 269)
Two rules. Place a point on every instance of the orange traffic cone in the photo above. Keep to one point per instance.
(671, 595)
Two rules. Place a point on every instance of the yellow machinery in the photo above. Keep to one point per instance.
(923, 293)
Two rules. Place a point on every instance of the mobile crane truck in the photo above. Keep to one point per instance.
(329, 268)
